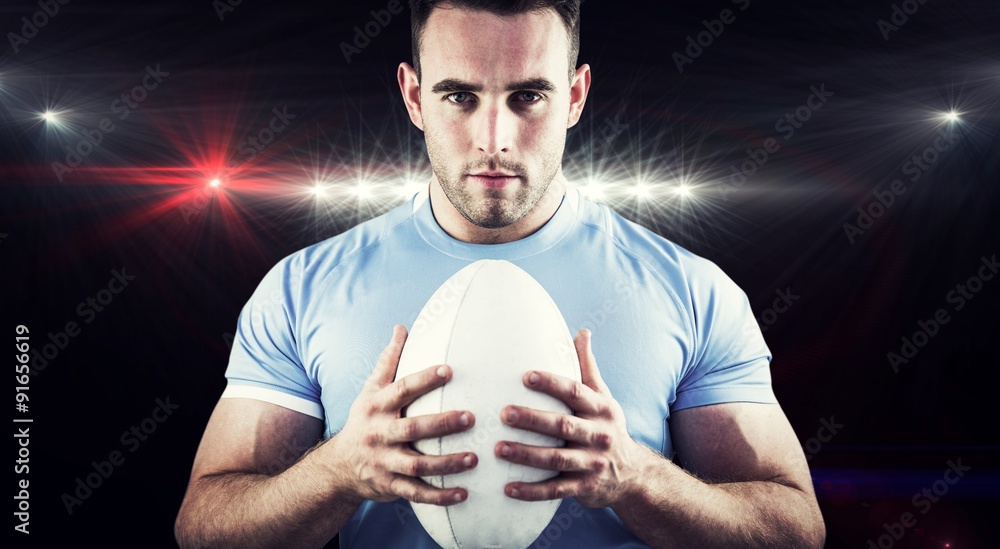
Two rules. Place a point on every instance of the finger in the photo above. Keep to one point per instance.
(579, 397)
(589, 373)
(544, 457)
(554, 424)
(409, 429)
(418, 491)
(556, 488)
(388, 359)
(413, 464)
(403, 391)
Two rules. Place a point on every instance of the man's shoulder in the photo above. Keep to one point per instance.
(367, 235)
(650, 249)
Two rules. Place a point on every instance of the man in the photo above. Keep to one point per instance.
(672, 362)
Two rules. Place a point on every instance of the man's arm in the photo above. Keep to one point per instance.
(232, 500)
(752, 488)
(749, 484)
(235, 498)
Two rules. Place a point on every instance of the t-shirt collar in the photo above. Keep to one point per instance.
(542, 239)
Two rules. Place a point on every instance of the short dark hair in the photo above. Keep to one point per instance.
(568, 10)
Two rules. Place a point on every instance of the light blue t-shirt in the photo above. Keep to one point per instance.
(670, 331)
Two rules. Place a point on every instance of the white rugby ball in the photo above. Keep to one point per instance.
(491, 322)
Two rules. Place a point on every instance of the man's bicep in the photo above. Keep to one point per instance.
(253, 436)
(739, 441)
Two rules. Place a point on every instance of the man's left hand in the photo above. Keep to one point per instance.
(600, 460)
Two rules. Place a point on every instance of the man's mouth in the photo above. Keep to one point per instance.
(494, 180)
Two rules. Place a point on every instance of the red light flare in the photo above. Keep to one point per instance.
(181, 196)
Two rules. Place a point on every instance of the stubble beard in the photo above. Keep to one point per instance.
(491, 208)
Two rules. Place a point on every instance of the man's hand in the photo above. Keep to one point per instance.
(374, 446)
(598, 461)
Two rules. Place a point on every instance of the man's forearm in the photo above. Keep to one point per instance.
(304, 506)
(674, 509)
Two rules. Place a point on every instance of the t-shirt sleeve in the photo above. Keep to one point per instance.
(264, 363)
(731, 361)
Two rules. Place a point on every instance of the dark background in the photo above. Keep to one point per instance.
(140, 202)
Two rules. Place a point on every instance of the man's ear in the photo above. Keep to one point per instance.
(410, 88)
(578, 91)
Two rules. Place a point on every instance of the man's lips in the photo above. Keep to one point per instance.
(494, 174)
(494, 180)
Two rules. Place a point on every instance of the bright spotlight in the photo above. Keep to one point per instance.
(410, 188)
(642, 191)
(319, 191)
(952, 116)
(593, 191)
(362, 190)
(51, 117)
(683, 191)
(215, 182)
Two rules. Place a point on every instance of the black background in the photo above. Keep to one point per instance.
(129, 206)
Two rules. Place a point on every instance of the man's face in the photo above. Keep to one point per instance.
(494, 97)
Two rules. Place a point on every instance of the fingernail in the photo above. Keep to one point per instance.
(464, 420)
(533, 378)
(442, 372)
(505, 450)
(514, 492)
(511, 416)
(457, 497)
(467, 460)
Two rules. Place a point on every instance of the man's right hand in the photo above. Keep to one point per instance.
(373, 448)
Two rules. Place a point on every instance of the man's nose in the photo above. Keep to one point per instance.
(495, 129)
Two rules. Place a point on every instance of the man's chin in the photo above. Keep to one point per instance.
(490, 221)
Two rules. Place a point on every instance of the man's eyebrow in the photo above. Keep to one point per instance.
(453, 85)
(537, 84)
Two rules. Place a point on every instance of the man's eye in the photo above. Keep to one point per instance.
(459, 97)
(529, 97)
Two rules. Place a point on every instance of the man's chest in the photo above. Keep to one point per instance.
(640, 341)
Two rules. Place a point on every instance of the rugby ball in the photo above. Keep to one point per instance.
(491, 322)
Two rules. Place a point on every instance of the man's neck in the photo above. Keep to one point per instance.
(460, 228)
